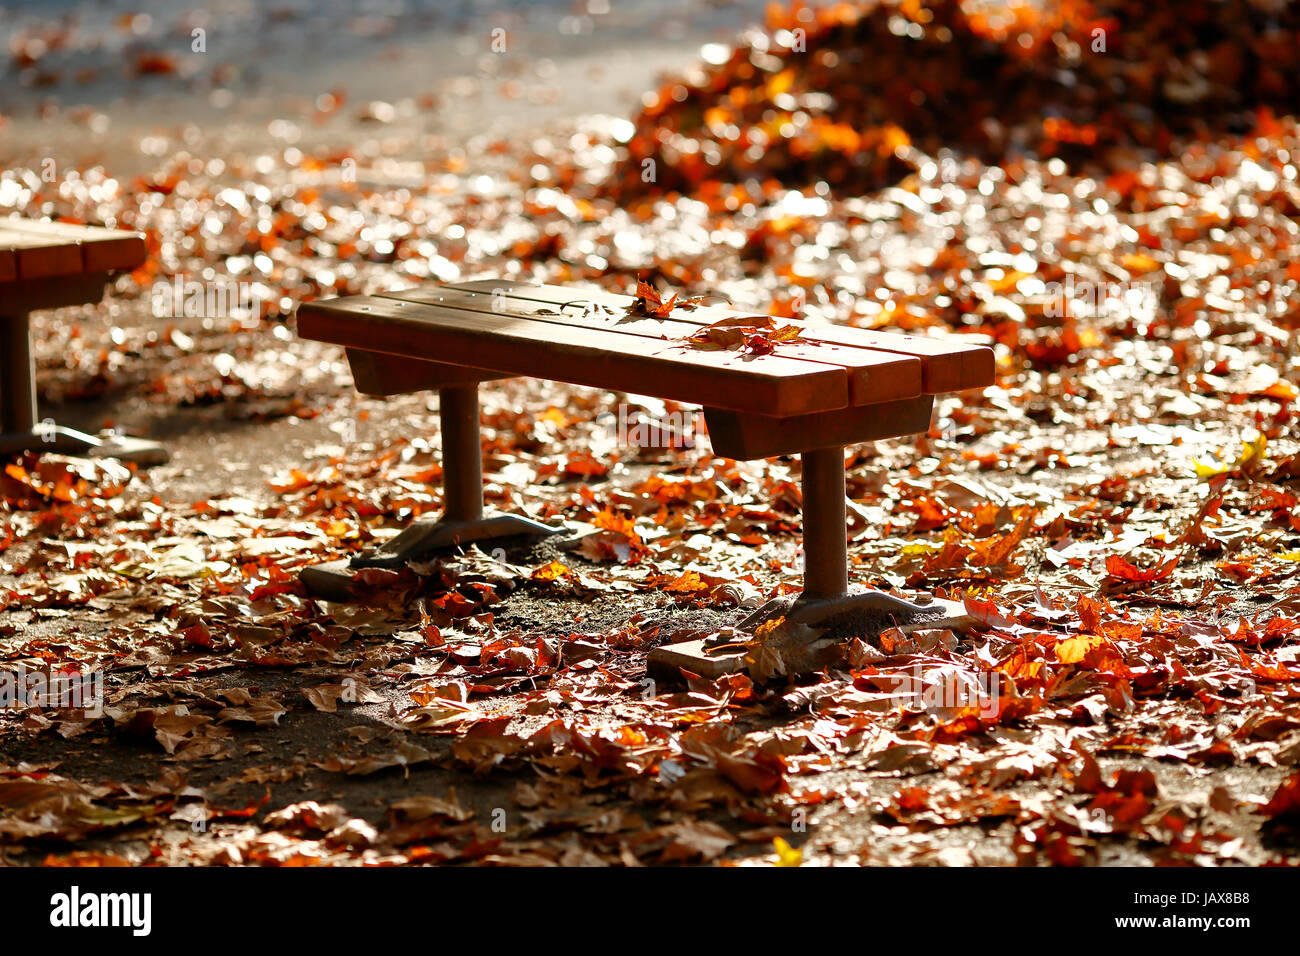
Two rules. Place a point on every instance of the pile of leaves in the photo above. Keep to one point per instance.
(845, 94)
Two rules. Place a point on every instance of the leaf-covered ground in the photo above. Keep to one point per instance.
(1120, 511)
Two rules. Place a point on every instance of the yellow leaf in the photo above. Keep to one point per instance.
(1251, 451)
(896, 137)
(919, 547)
(1139, 263)
(786, 855)
(1254, 451)
(1074, 649)
(550, 572)
(1008, 281)
(781, 83)
(1209, 471)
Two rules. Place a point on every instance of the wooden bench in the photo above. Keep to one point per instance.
(833, 386)
(48, 265)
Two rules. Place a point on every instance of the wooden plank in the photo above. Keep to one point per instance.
(946, 367)
(40, 257)
(745, 436)
(8, 265)
(873, 376)
(375, 373)
(594, 357)
(102, 250)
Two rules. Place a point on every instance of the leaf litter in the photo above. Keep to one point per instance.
(1119, 510)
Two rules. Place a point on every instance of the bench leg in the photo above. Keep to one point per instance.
(19, 430)
(462, 520)
(827, 599)
(826, 554)
(830, 610)
(18, 384)
(825, 525)
(462, 453)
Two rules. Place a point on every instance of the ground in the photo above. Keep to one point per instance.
(1118, 512)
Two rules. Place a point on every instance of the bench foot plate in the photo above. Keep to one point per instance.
(423, 537)
(814, 639)
(421, 540)
(331, 581)
(61, 440)
(815, 611)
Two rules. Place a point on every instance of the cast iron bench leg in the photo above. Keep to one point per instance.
(462, 520)
(825, 525)
(19, 430)
(18, 384)
(826, 593)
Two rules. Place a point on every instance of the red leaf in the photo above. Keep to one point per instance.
(1122, 570)
(1286, 801)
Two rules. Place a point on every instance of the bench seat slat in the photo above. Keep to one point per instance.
(872, 376)
(40, 258)
(946, 366)
(99, 249)
(765, 384)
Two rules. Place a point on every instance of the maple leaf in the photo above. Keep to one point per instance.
(756, 334)
(550, 572)
(649, 303)
(1075, 649)
(1121, 569)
